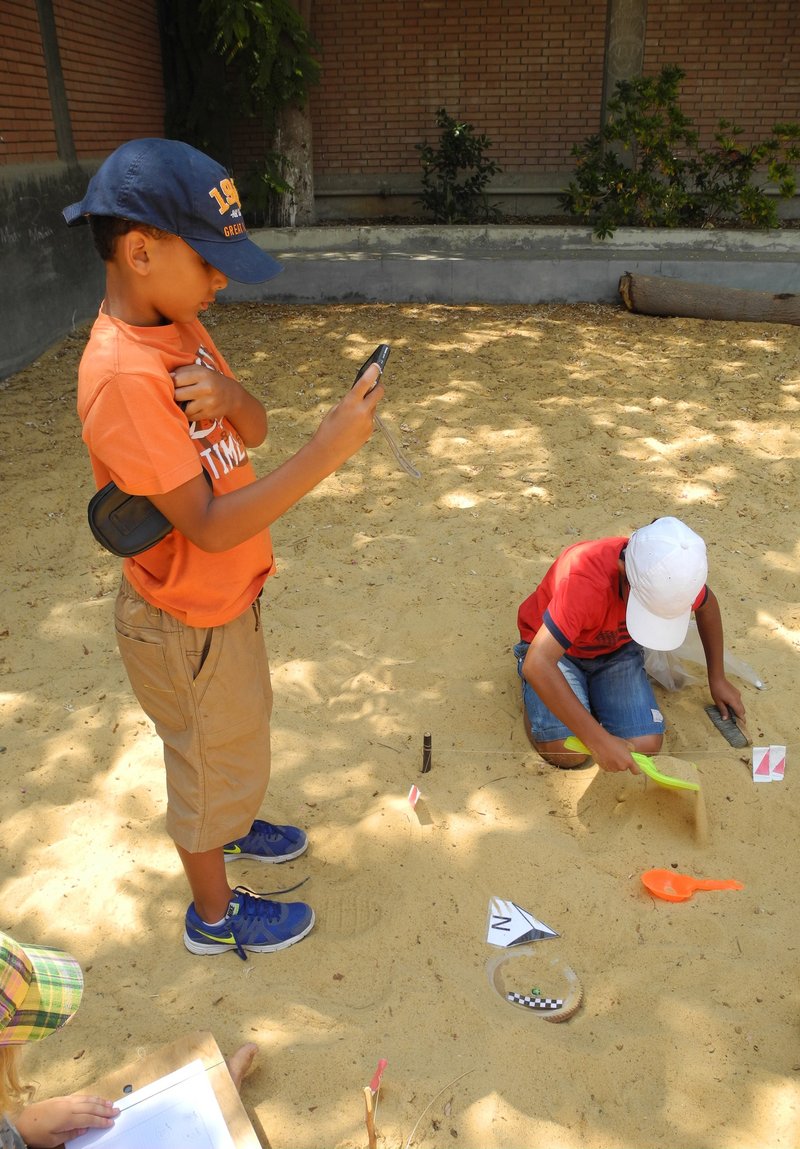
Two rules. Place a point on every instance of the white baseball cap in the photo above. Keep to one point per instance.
(666, 567)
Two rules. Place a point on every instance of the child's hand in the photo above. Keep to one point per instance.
(726, 698)
(348, 425)
(46, 1124)
(614, 755)
(209, 395)
(206, 393)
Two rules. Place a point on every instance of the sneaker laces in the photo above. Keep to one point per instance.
(271, 893)
(269, 829)
(251, 903)
(262, 829)
(247, 902)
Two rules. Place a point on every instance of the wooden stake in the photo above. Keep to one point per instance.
(373, 1143)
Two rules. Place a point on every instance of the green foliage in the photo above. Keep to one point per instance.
(723, 176)
(647, 169)
(263, 187)
(455, 175)
(226, 60)
(269, 48)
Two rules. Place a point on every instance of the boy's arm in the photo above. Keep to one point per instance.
(709, 627)
(541, 671)
(212, 395)
(217, 524)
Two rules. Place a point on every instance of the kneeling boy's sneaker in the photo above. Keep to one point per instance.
(268, 843)
(250, 923)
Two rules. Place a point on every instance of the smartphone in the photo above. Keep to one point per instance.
(379, 356)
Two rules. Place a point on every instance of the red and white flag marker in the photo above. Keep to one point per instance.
(769, 763)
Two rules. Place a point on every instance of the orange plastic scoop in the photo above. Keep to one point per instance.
(674, 887)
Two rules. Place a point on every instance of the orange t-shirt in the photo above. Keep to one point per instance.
(138, 436)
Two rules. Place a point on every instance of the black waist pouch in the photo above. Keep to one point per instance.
(128, 524)
(125, 524)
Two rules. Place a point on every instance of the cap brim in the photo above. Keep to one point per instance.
(652, 631)
(53, 996)
(239, 259)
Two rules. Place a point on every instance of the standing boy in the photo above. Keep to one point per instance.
(583, 630)
(164, 417)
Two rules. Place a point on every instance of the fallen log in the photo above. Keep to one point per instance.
(661, 295)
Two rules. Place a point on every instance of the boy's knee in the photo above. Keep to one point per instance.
(648, 743)
(555, 754)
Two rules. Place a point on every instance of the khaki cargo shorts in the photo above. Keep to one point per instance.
(208, 693)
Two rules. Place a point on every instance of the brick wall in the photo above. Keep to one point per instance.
(741, 59)
(111, 61)
(111, 58)
(528, 75)
(26, 123)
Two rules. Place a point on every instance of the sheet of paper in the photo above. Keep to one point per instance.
(178, 1111)
(508, 925)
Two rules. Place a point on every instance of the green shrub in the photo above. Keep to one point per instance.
(723, 176)
(455, 175)
(646, 168)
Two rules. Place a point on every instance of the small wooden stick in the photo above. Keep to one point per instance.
(430, 1103)
(373, 1143)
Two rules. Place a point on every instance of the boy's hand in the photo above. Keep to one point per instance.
(210, 395)
(613, 755)
(726, 698)
(46, 1124)
(206, 393)
(348, 425)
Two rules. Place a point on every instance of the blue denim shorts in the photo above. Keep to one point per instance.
(614, 688)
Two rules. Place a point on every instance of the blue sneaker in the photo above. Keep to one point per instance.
(268, 843)
(251, 923)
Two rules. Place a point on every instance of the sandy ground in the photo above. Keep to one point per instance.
(393, 613)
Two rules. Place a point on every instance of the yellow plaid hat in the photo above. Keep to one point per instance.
(40, 989)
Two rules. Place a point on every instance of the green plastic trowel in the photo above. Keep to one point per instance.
(643, 762)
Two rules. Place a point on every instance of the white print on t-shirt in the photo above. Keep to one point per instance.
(227, 451)
(205, 358)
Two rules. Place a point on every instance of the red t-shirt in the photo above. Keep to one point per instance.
(581, 600)
(138, 436)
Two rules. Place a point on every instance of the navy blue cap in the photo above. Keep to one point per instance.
(176, 188)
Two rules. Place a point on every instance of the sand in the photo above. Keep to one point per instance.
(392, 614)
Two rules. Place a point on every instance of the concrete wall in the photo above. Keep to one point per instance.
(50, 275)
(79, 78)
(511, 264)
